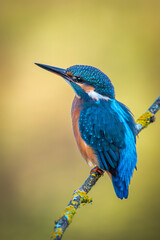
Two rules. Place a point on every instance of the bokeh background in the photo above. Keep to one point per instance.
(40, 164)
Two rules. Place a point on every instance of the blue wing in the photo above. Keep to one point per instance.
(103, 127)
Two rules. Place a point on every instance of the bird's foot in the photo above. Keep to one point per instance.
(97, 169)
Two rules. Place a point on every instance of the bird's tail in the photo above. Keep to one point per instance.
(121, 187)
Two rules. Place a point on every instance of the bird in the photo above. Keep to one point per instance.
(104, 128)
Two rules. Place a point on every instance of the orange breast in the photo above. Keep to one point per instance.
(85, 150)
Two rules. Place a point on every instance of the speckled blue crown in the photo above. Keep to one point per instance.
(94, 77)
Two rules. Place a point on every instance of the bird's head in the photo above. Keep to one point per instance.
(86, 81)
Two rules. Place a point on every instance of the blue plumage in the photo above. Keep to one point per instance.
(103, 127)
(94, 77)
(108, 127)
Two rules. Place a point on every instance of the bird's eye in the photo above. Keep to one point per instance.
(74, 78)
(77, 79)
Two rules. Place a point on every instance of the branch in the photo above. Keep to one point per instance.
(148, 117)
(80, 196)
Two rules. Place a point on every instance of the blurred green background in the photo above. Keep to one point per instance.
(40, 164)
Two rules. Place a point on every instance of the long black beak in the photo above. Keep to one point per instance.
(59, 71)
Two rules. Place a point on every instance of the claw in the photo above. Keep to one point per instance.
(97, 169)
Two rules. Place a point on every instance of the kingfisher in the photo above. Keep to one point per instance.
(104, 128)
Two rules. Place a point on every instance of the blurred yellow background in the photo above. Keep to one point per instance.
(40, 164)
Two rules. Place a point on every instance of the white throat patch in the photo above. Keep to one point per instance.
(96, 96)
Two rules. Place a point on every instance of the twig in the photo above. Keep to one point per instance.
(80, 195)
(148, 117)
